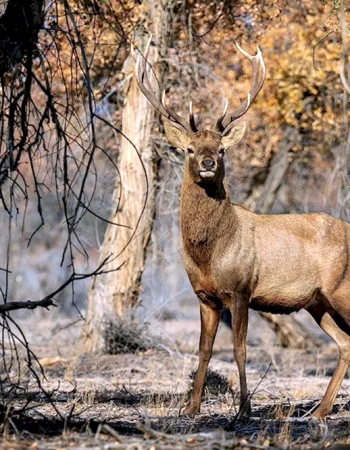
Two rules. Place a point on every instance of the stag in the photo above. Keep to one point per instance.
(240, 260)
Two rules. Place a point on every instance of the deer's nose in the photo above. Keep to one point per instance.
(208, 164)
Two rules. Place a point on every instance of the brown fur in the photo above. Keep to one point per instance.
(274, 263)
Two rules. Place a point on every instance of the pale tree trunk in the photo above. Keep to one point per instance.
(113, 294)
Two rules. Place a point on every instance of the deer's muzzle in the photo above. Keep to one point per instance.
(208, 168)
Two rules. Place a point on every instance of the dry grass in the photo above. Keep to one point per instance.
(127, 336)
(129, 410)
(215, 383)
(135, 400)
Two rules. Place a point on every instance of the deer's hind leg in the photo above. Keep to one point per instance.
(338, 329)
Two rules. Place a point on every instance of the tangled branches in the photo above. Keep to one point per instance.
(54, 91)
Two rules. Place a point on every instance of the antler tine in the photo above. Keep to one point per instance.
(143, 83)
(244, 53)
(258, 78)
(191, 118)
(219, 125)
(188, 125)
(142, 69)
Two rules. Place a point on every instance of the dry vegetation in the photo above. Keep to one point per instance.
(132, 397)
(134, 400)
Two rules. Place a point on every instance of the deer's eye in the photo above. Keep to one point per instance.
(190, 151)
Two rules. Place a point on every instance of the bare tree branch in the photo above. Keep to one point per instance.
(12, 306)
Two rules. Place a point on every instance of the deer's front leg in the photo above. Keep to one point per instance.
(239, 311)
(210, 316)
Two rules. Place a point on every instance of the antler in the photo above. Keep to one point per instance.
(142, 77)
(258, 79)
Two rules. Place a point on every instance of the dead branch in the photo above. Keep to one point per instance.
(12, 306)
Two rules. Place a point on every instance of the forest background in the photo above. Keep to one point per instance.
(89, 186)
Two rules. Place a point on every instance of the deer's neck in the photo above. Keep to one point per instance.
(204, 210)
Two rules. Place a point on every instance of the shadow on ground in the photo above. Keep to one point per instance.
(270, 423)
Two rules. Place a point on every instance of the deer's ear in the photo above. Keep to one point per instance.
(176, 137)
(234, 135)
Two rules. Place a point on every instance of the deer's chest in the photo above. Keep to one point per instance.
(210, 274)
(198, 252)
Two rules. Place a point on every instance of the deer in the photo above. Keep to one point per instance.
(240, 260)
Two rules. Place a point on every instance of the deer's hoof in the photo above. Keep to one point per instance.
(191, 409)
(320, 413)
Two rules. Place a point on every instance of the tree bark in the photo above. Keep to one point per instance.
(113, 294)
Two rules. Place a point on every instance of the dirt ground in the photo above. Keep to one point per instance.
(134, 401)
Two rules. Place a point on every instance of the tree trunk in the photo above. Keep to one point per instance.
(290, 332)
(113, 294)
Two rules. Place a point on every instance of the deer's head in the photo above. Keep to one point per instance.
(204, 149)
